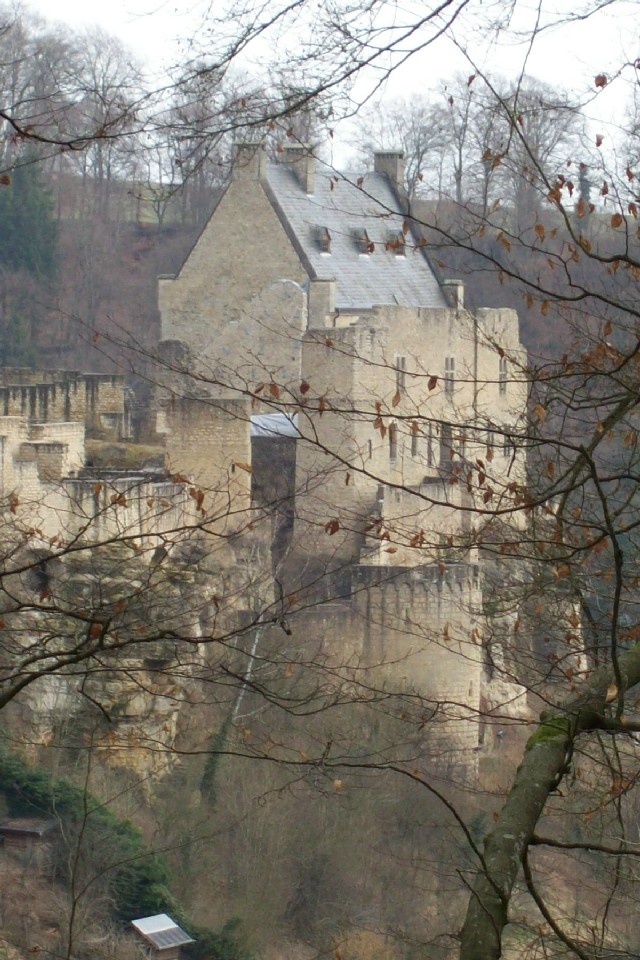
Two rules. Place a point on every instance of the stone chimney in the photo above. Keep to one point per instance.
(322, 303)
(391, 163)
(249, 161)
(454, 293)
(303, 162)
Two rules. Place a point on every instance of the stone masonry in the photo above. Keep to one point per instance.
(308, 296)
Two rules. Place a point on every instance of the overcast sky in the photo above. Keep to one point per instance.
(151, 28)
(570, 56)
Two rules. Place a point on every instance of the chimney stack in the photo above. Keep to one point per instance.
(391, 163)
(322, 303)
(454, 293)
(303, 162)
(249, 161)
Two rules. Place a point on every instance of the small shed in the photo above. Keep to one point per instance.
(29, 840)
(162, 935)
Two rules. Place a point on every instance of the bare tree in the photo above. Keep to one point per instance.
(561, 586)
(415, 125)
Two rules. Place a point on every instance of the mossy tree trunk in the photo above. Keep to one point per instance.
(547, 755)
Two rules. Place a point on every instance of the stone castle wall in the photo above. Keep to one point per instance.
(210, 440)
(409, 633)
(252, 305)
(384, 408)
(408, 422)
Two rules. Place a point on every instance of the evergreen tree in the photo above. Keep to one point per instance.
(28, 231)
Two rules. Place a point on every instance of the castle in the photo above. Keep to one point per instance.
(315, 373)
(341, 436)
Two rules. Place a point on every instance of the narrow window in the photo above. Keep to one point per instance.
(370, 450)
(502, 376)
(507, 446)
(449, 375)
(446, 444)
(430, 453)
(393, 441)
(414, 443)
(401, 374)
(462, 446)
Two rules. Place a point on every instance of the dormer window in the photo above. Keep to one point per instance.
(324, 240)
(364, 244)
(397, 244)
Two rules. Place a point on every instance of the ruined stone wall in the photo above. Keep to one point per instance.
(35, 458)
(53, 396)
(14, 432)
(70, 436)
(40, 463)
(141, 510)
(104, 403)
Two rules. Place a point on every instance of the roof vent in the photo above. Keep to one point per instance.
(323, 239)
(397, 243)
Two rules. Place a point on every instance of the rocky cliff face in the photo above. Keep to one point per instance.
(112, 642)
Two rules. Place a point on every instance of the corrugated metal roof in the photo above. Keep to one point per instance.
(161, 931)
(347, 211)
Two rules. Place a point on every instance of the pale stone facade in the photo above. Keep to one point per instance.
(411, 399)
(309, 295)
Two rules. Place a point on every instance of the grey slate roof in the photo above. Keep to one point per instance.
(161, 931)
(347, 210)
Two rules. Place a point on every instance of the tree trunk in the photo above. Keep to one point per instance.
(546, 757)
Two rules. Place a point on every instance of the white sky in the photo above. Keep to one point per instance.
(569, 57)
(151, 28)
